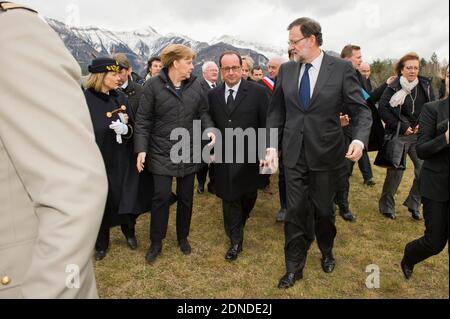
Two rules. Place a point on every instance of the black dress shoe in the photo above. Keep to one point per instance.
(370, 183)
(233, 252)
(153, 252)
(328, 264)
(132, 243)
(281, 216)
(407, 270)
(201, 189)
(415, 214)
(347, 215)
(289, 279)
(100, 255)
(185, 247)
(390, 216)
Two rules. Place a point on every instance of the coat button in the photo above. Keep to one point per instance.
(6, 281)
(229, 121)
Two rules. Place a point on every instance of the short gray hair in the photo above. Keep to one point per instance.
(207, 64)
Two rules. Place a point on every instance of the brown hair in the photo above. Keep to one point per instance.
(347, 51)
(122, 60)
(401, 63)
(95, 81)
(176, 52)
(308, 27)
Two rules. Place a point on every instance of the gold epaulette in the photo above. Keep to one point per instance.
(7, 6)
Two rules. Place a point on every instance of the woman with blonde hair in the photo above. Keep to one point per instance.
(113, 132)
(171, 101)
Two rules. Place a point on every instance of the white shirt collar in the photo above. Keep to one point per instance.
(125, 85)
(317, 62)
(210, 83)
(234, 88)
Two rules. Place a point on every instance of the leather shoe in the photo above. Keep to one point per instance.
(153, 252)
(281, 216)
(415, 214)
(185, 247)
(347, 215)
(289, 279)
(370, 183)
(390, 216)
(100, 255)
(407, 270)
(233, 252)
(201, 189)
(328, 264)
(132, 243)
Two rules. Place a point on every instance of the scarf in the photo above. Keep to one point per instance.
(407, 87)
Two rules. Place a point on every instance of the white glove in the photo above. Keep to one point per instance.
(120, 129)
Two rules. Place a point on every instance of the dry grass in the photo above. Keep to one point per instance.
(205, 274)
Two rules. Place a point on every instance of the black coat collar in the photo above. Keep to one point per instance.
(103, 96)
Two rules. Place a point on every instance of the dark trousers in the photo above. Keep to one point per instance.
(102, 242)
(394, 178)
(344, 187)
(435, 239)
(310, 205)
(202, 174)
(161, 204)
(235, 215)
(365, 167)
(282, 187)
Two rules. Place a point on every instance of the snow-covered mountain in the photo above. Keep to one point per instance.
(266, 50)
(87, 42)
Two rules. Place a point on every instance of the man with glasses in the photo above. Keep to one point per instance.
(237, 104)
(305, 108)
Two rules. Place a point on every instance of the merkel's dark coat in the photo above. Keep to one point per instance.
(249, 111)
(160, 112)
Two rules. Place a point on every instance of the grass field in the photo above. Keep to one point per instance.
(373, 239)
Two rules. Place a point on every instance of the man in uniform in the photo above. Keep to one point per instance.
(52, 177)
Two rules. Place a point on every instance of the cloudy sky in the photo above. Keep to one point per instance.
(384, 28)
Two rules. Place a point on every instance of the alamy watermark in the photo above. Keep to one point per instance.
(373, 280)
(73, 279)
(240, 146)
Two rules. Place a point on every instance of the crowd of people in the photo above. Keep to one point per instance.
(109, 153)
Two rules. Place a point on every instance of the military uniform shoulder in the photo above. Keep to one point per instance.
(8, 6)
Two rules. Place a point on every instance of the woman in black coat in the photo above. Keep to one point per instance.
(433, 148)
(402, 102)
(113, 135)
(171, 101)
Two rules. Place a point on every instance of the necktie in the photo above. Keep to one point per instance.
(230, 99)
(305, 88)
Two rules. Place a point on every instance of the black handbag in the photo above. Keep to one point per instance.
(393, 153)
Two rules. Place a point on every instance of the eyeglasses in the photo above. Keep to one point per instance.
(232, 68)
(294, 43)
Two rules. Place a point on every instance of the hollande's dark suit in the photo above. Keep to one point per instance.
(313, 148)
(432, 147)
(236, 184)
